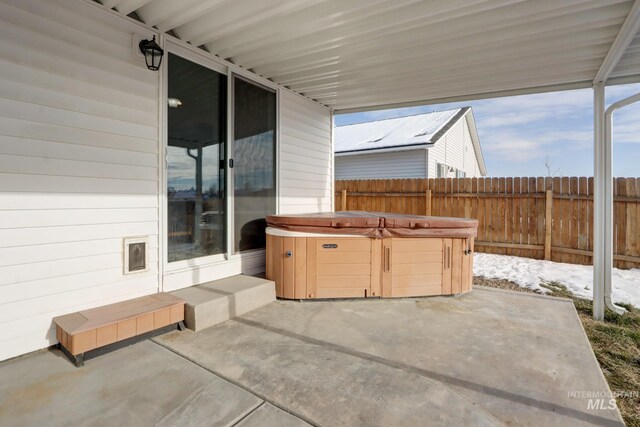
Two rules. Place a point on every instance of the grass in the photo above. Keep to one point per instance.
(615, 342)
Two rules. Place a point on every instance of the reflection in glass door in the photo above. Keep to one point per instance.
(196, 211)
(254, 155)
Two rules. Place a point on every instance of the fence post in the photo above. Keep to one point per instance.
(428, 203)
(343, 205)
(547, 225)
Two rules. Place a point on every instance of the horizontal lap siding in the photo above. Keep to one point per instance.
(399, 164)
(305, 156)
(78, 165)
(469, 159)
(455, 145)
(455, 149)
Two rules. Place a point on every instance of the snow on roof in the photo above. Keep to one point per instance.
(389, 133)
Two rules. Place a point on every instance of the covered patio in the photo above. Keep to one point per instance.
(84, 166)
(360, 56)
(491, 357)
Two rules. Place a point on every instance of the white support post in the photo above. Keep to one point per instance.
(607, 209)
(603, 201)
(599, 208)
(603, 166)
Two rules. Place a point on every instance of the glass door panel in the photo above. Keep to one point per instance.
(254, 155)
(196, 211)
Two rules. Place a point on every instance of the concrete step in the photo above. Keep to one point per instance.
(215, 302)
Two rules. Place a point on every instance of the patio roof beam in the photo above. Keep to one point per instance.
(627, 32)
(475, 96)
(465, 97)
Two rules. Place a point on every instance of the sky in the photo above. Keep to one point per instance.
(519, 133)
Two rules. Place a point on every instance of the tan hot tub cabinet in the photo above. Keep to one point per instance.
(364, 254)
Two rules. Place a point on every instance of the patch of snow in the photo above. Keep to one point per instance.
(530, 273)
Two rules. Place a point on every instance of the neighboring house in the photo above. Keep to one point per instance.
(441, 144)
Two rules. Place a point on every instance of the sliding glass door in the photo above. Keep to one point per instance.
(203, 166)
(254, 156)
(196, 112)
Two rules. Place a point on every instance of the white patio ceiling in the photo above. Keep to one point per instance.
(362, 54)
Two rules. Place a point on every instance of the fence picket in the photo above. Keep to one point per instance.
(632, 226)
(575, 218)
(540, 214)
(482, 234)
(637, 220)
(620, 218)
(532, 215)
(501, 226)
(517, 214)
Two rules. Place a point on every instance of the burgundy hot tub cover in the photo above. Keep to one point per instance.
(376, 224)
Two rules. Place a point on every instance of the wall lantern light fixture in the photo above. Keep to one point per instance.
(152, 53)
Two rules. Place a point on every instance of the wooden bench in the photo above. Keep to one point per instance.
(88, 330)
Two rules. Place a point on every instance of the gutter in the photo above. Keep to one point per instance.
(424, 145)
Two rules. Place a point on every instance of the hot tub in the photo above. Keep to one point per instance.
(368, 254)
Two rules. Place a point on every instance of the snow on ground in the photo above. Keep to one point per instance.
(529, 273)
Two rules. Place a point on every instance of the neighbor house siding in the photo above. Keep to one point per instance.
(397, 164)
(470, 160)
(78, 165)
(305, 155)
(455, 149)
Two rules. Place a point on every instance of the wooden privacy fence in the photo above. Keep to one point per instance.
(542, 218)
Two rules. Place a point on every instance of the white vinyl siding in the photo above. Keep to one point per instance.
(470, 164)
(305, 155)
(396, 164)
(78, 165)
(455, 149)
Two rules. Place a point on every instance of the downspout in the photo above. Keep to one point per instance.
(608, 198)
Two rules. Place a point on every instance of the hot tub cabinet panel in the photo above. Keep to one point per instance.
(324, 267)
(414, 267)
(426, 266)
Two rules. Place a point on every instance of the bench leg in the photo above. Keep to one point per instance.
(77, 359)
(181, 326)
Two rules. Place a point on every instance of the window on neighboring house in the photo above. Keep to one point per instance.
(444, 171)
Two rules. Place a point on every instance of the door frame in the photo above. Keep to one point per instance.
(203, 269)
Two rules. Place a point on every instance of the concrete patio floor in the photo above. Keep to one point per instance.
(487, 358)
